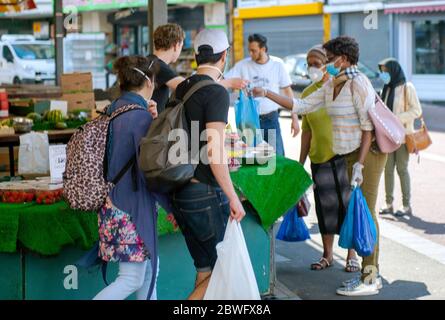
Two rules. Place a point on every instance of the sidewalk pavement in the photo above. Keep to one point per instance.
(412, 267)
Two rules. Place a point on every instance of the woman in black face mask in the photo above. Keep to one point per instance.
(400, 96)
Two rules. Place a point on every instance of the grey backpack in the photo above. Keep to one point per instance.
(162, 175)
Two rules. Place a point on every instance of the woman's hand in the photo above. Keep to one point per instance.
(357, 175)
(153, 108)
(295, 127)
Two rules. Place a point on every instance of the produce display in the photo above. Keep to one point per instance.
(54, 120)
(16, 195)
(41, 190)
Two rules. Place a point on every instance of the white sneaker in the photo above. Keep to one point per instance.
(350, 282)
(358, 289)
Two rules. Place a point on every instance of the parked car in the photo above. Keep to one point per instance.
(23, 59)
(297, 68)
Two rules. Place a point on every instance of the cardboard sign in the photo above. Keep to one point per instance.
(57, 160)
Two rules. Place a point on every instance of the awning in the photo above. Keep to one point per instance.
(16, 5)
(93, 5)
(425, 7)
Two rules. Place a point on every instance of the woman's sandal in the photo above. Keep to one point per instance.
(352, 265)
(322, 264)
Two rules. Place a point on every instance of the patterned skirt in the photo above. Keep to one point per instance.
(118, 238)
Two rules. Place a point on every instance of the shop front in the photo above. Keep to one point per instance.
(292, 27)
(420, 42)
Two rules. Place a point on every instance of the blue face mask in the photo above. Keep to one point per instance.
(332, 70)
(385, 76)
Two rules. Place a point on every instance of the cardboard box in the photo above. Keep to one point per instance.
(100, 107)
(76, 82)
(79, 101)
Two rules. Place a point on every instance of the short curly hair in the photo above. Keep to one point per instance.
(344, 46)
(167, 36)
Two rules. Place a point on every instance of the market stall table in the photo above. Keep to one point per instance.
(38, 242)
(11, 141)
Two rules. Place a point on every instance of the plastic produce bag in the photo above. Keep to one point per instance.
(358, 231)
(365, 232)
(248, 120)
(232, 277)
(293, 228)
(34, 153)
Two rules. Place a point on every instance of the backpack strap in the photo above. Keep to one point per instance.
(124, 170)
(132, 160)
(196, 87)
(125, 109)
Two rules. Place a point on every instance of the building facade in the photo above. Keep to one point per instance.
(411, 31)
(291, 26)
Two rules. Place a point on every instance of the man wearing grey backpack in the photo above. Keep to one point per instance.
(203, 206)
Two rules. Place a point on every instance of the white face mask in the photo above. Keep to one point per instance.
(315, 74)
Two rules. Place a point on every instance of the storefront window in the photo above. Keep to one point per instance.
(429, 47)
(126, 41)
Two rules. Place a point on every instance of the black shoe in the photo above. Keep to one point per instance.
(387, 210)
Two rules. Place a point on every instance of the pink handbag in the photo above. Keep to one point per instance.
(389, 131)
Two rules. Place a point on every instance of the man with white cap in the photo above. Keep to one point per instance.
(269, 72)
(203, 206)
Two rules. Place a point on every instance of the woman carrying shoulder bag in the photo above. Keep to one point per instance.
(401, 97)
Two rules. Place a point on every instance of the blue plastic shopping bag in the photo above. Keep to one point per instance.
(248, 119)
(358, 230)
(365, 232)
(346, 239)
(293, 228)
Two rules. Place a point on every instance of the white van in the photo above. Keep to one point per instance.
(23, 59)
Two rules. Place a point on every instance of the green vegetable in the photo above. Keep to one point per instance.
(34, 117)
(61, 125)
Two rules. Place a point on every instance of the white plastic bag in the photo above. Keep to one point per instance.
(233, 277)
(34, 153)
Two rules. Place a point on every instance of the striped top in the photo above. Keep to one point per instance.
(348, 112)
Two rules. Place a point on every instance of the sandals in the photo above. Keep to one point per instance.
(322, 264)
(352, 265)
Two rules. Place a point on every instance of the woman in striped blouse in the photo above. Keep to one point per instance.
(347, 97)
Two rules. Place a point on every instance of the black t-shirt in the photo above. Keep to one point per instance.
(208, 104)
(161, 92)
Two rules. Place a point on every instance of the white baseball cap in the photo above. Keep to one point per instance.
(216, 39)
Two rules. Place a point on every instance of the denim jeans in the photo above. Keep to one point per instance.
(202, 212)
(270, 122)
(132, 277)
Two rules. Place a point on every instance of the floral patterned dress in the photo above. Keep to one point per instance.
(118, 238)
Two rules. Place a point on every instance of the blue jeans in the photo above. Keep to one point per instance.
(132, 277)
(202, 212)
(270, 121)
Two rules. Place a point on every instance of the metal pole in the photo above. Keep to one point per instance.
(157, 15)
(58, 37)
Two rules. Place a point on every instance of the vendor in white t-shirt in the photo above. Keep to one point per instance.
(263, 70)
